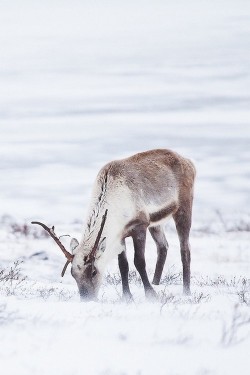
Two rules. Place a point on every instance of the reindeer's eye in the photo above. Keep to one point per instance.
(94, 272)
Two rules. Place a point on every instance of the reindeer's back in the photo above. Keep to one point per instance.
(153, 177)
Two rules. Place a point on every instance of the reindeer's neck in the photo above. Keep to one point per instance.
(96, 211)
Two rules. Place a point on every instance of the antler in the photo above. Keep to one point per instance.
(91, 256)
(56, 239)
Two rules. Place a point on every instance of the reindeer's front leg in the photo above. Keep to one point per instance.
(139, 240)
(124, 269)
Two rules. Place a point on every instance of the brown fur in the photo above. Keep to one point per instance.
(163, 213)
(152, 175)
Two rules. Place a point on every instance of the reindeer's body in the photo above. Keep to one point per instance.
(139, 192)
(129, 196)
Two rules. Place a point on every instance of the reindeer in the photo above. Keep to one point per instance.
(130, 196)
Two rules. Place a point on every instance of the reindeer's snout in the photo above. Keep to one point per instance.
(87, 289)
(87, 277)
(86, 295)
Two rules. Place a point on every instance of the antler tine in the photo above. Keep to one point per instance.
(56, 239)
(93, 251)
(65, 267)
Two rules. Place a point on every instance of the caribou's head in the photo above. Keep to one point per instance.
(85, 272)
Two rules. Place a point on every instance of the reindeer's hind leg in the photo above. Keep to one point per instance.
(124, 269)
(162, 248)
(183, 218)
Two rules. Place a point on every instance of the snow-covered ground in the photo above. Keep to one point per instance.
(82, 83)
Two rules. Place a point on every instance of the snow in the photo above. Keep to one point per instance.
(82, 83)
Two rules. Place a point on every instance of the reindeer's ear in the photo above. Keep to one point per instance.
(73, 245)
(102, 245)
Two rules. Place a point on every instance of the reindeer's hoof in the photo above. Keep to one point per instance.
(156, 282)
(151, 295)
(186, 291)
(127, 297)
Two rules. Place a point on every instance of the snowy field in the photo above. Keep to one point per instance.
(82, 83)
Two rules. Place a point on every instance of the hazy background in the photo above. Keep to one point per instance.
(83, 82)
